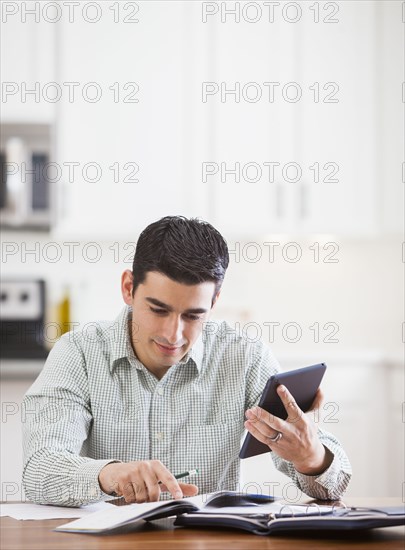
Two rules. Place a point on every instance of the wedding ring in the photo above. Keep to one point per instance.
(276, 438)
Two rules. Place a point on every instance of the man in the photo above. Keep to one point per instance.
(121, 410)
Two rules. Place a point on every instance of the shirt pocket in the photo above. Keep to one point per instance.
(121, 433)
(216, 436)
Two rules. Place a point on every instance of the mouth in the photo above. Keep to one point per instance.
(168, 350)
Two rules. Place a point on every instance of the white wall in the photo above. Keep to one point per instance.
(362, 294)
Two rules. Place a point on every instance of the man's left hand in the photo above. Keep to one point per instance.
(299, 442)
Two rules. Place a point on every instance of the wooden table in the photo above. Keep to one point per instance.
(38, 535)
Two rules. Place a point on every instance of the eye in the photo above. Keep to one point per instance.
(192, 317)
(158, 311)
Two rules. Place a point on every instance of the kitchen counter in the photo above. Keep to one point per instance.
(12, 369)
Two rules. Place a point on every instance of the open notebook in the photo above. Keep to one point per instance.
(224, 501)
(257, 514)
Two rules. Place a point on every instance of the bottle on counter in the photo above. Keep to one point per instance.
(63, 312)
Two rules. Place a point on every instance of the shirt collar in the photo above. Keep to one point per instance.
(122, 347)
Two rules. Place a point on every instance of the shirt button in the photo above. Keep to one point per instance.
(160, 391)
(160, 436)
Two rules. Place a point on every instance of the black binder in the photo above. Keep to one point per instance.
(337, 519)
(263, 516)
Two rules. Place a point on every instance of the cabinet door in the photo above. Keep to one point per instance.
(337, 121)
(333, 165)
(251, 125)
(391, 169)
(128, 143)
(27, 64)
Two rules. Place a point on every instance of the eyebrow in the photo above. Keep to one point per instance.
(169, 308)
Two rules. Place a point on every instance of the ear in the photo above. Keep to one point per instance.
(126, 286)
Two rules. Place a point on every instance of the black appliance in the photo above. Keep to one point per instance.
(22, 319)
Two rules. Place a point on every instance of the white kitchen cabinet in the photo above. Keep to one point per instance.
(390, 131)
(335, 140)
(153, 144)
(339, 130)
(248, 130)
(27, 64)
(129, 145)
(362, 133)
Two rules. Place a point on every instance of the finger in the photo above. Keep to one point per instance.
(115, 489)
(257, 417)
(189, 490)
(127, 490)
(318, 400)
(167, 478)
(141, 491)
(152, 486)
(294, 413)
(258, 434)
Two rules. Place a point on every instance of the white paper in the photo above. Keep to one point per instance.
(105, 519)
(39, 511)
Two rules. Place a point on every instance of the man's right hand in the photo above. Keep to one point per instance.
(138, 481)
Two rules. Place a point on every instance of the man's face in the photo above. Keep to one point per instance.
(167, 317)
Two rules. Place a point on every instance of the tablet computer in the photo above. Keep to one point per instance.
(301, 383)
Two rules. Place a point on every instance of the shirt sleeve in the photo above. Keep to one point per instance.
(56, 421)
(332, 483)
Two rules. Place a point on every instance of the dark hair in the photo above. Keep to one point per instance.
(188, 251)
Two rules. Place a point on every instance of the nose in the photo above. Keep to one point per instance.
(173, 330)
